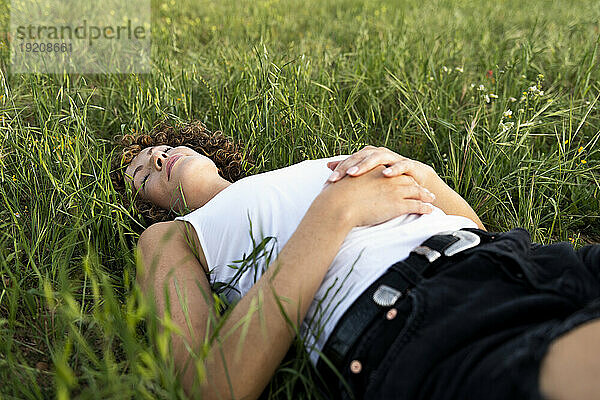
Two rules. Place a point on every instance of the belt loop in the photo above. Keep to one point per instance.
(408, 272)
(484, 235)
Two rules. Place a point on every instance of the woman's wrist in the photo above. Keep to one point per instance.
(330, 204)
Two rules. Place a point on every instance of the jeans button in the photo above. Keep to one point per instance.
(355, 366)
(391, 314)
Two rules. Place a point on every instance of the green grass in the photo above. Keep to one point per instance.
(291, 80)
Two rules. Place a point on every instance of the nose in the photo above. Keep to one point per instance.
(158, 159)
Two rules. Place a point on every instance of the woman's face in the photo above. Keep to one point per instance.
(161, 173)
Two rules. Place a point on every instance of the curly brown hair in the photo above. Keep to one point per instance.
(226, 155)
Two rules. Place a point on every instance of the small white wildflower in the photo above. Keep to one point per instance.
(459, 69)
(472, 85)
(444, 68)
(587, 103)
(541, 93)
(508, 113)
(512, 99)
(533, 89)
(487, 98)
(506, 126)
(431, 78)
(493, 96)
(481, 88)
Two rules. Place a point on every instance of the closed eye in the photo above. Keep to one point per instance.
(143, 185)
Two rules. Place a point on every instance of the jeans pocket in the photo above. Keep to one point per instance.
(414, 316)
(511, 257)
(514, 270)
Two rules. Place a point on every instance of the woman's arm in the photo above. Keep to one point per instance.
(285, 289)
(369, 157)
(258, 325)
(449, 201)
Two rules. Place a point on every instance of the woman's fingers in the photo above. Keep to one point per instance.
(411, 190)
(408, 188)
(363, 161)
(414, 207)
(422, 173)
(371, 157)
(333, 164)
(377, 157)
(411, 197)
(405, 166)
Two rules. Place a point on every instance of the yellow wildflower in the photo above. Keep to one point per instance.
(583, 162)
(580, 149)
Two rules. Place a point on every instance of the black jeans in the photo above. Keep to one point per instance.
(479, 327)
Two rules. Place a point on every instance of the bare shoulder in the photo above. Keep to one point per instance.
(191, 237)
(179, 231)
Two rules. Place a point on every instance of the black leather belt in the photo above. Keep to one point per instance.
(386, 291)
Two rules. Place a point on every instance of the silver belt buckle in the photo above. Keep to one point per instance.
(466, 240)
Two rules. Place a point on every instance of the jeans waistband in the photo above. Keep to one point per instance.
(381, 297)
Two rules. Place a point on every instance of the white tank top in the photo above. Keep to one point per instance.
(244, 227)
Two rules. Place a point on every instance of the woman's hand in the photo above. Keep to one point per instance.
(369, 157)
(373, 198)
(424, 178)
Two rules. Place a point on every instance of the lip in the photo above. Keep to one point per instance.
(170, 162)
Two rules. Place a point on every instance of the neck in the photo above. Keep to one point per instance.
(208, 192)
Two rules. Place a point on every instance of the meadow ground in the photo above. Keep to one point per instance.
(500, 97)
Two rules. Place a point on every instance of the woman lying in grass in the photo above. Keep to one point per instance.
(466, 314)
